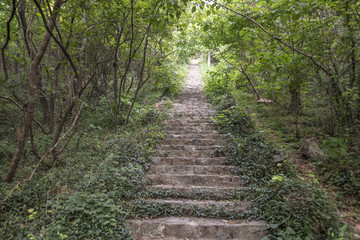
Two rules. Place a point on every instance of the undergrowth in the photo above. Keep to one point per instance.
(292, 208)
(85, 197)
(84, 193)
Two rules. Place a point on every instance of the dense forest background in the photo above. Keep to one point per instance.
(84, 87)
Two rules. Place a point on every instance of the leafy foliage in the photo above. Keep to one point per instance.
(294, 209)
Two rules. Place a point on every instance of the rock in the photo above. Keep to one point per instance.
(311, 149)
(161, 104)
(278, 159)
(357, 229)
(266, 101)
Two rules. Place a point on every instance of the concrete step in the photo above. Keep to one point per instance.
(195, 180)
(191, 153)
(196, 228)
(192, 169)
(199, 190)
(188, 161)
(195, 142)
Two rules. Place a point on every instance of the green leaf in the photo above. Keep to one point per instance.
(290, 231)
(193, 9)
(273, 226)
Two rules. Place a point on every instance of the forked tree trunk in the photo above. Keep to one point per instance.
(32, 81)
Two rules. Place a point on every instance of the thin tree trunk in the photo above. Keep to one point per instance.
(32, 81)
(3, 59)
(141, 78)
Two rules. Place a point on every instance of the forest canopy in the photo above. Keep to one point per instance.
(75, 72)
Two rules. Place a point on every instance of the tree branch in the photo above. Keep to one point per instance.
(324, 69)
(43, 157)
(22, 108)
(62, 47)
(7, 39)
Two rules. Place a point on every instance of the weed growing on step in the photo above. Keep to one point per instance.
(146, 210)
(294, 209)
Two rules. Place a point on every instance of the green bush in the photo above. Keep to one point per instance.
(293, 209)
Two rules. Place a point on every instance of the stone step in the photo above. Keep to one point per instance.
(189, 123)
(188, 161)
(230, 205)
(193, 136)
(199, 190)
(192, 96)
(196, 228)
(197, 128)
(197, 111)
(180, 101)
(187, 109)
(196, 180)
(193, 114)
(191, 103)
(191, 153)
(192, 132)
(197, 142)
(187, 120)
(192, 147)
(192, 169)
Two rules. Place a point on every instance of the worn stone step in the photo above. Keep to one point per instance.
(197, 142)
(199, 190)
(187, 108)
(190, 105)
(198, 100)
(190, 153)
(192, 147)
(192, 169)
(234, 205)
(193, 114)
(193, 136)
(187, 120)
(200, 111)
(189, 124)
(191, 97)
(196, 228)
(196, 180)
(191, 131)
(188, 161)
(197, 128)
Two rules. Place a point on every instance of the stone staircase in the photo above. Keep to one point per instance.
(191, 164)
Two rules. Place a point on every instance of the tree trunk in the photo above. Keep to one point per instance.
(295, 93)
(32, 81)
